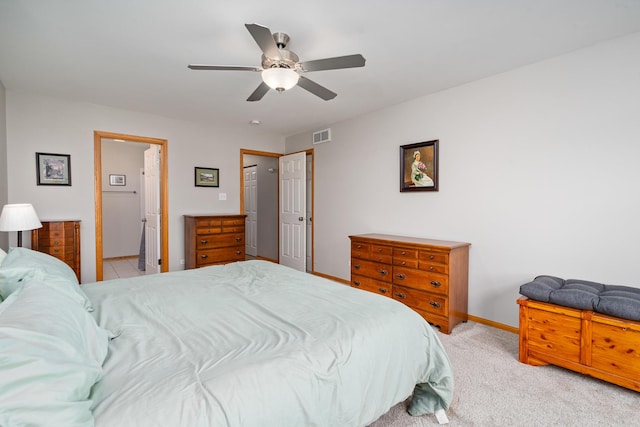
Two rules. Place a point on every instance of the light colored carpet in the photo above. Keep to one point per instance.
(493, 389)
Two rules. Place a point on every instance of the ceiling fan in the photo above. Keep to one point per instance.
(280, 67)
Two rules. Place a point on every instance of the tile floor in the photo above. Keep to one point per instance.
(115, 268)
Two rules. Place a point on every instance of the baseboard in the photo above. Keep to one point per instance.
(335, 279)
(493, 324)
(119, 258)
(472, 318)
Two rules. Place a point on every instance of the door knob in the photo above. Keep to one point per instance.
(301, 218)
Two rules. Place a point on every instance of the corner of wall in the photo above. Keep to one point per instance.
(4, 187)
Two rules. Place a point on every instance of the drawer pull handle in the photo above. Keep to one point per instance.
(204, 242)
(238, 239)
(383, 272)
(435, 284)
(403, 263)
(379, 259)
(357, 266)
(434, 304)
(430, 256)
(56, 234)
(400, 295)
(403, 253)
(57, 242)
(356, 283)
(56, 250)
(358, 255)
(238, 252)
(401, 276)
(383, 290)
(431, 268)
(359, 246)
(379, 249)
(205, 256)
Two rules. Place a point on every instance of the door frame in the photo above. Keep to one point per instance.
(164, 192)
(308, 151)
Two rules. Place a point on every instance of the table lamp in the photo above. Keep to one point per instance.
(19, 217)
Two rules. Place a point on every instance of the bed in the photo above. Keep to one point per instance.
(244, 344)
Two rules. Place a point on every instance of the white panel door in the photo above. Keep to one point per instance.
(152, 209)
(251, 210)
(293, 211)
(309, 212)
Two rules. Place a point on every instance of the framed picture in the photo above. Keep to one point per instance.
(419, 166)
(53, 169)
(207, 177)
(120, 180)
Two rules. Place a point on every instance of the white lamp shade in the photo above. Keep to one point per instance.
(19, 217)
(280, 78)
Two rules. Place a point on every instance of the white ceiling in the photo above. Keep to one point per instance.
(133, 54)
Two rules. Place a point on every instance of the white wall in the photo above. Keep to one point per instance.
(121, 205)
(538, 171)
(41, 124)
(4, 237)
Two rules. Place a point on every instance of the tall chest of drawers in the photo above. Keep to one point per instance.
(60, 239)
(430, 276)
(213, 239)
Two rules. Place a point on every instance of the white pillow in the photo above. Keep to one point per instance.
(51, 355)
(22, 263)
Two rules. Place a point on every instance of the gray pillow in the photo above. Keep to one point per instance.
(578, 294)
(620, 301)
(541, 287)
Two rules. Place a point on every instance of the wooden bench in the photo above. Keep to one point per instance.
(584, 341)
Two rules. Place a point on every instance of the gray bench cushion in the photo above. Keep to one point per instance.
(614, 300)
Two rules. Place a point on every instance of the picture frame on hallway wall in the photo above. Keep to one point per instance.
(53, 169)
(207, 177)
(117, 180)
(419, 166)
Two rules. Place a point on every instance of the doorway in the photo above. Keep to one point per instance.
(160, 146)
(266, 217)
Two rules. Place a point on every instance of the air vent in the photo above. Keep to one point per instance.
(322, 136)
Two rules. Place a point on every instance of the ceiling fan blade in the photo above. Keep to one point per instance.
(260, 91)
(316, 89)
(223, 67)
(264, 38)
(349, 61)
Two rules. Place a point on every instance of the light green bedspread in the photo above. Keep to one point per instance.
(258, 344)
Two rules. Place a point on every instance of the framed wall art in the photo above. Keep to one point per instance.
(53, 169)
(117, 180)
(207, 177)
(419, 166)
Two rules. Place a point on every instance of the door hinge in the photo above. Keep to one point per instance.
(159, 261)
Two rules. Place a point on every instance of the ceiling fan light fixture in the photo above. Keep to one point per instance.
(280, 79)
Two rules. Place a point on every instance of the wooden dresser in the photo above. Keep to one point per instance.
(430, 276)
(213, 239)
(60, 239)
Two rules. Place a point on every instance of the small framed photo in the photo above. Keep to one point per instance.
(207, 177)
(53, 169)
(118, 180)
(419, 166)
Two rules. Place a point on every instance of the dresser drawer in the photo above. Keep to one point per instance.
(371, 285)
(371, 269)
(359, 247)
(212, 256)
(48, 240)
(419, 279)
(436, 304)
(208, 230)
(429, 258)
(404, 253)
(208, 222)
(232, 223)
(60, 252)
(219, 241)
